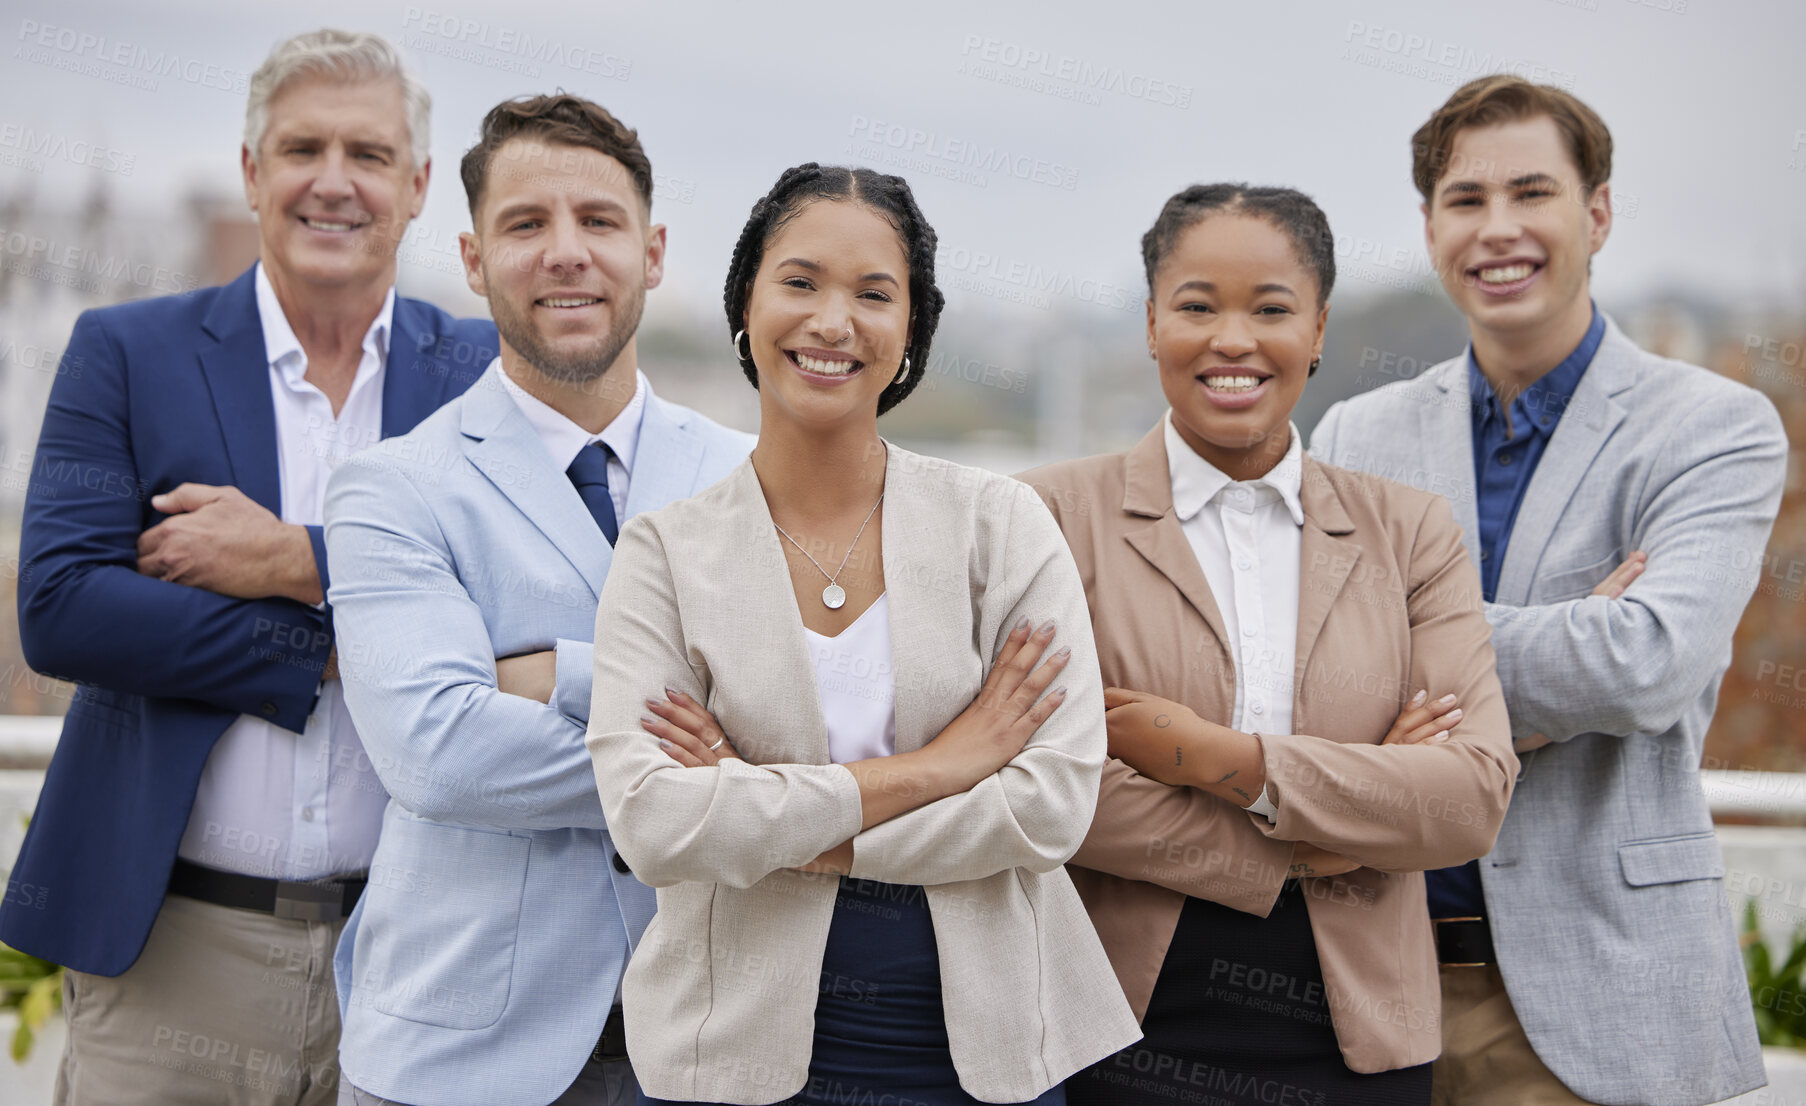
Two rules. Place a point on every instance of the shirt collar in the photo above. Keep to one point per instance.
(564, 439)
(1197, 481)
(284, 350)
(1540, 406)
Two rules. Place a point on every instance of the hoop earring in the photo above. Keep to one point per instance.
(904, 374)
(747, 356)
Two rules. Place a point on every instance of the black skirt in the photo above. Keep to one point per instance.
(1239, 1015)
(880, 1027)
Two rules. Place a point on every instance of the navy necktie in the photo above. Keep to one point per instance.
(589, 472)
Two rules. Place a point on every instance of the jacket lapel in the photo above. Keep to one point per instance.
(502, 445)
(666, 459)
(928, 654)
(1445, 429)
(410, 391)
(1148, 493)
(1325, 562)
(1585, 426)
(237, 369)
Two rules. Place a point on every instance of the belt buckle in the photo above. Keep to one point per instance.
(310, 900)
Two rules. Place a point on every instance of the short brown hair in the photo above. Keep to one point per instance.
(1502, 98)
(562, 119)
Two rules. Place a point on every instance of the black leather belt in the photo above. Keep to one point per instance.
(613, 1044)
(1463, 942)
(321, 900)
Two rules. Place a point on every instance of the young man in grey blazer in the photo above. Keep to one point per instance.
(1617, 504)
(482, 966)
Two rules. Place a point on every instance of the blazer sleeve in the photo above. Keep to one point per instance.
(85, 612)
(1632, 666)
(419, 671)
(1411, 807)
(732, 823)
(1033, 811)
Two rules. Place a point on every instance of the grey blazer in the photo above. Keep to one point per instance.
(1605, 889)
(720, 993)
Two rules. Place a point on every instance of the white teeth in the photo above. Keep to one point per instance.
(570, 301)
(321, 225)
(1506, 274)
(1232, 383)
(825, 368)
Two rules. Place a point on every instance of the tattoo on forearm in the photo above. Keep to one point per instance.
(1178, 754)
(1230, 776)
(1162, 721)
(1301, 869)
(1242, 793)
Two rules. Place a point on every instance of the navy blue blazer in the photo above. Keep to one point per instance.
(149, 395)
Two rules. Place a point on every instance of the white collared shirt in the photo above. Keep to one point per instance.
(1248, 538)
(564, 439)
(272, 802)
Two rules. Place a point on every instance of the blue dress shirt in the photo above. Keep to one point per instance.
(1504, 460)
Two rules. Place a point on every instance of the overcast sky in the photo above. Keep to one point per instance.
(1096, 113)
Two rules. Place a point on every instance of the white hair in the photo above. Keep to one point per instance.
(349, 57)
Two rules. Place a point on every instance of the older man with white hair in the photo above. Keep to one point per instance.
(210, 814)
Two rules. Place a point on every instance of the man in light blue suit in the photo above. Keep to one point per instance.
(1617, 504)
(482, 966)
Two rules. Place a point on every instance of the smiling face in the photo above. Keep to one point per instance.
(828, 314)
(334, 183)
(1234, 323)
(1511, 229)
(564, 254)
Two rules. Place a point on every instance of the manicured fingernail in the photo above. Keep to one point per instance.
(1453, 716)
(1445, 700)
(652, 703)
(1059, 693)
(672, 692)
(1046, 627)
(1021, 625)
(1063, 652)
(1418, 699)
(1439, 737)
(663, 744)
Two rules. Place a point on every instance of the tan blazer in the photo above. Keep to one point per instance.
(1388, 603)
(720, 994)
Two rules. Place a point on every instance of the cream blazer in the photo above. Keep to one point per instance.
(720, 994)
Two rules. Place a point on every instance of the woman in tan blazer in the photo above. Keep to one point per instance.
(858, 619)
(1284, 766)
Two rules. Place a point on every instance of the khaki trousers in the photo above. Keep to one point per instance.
(1486, 1058)
(225, 1007)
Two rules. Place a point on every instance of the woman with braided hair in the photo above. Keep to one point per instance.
(1278, 636)
(860, 893)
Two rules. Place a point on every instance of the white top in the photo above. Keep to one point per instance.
(858, 686)
(564, 439)
(272, 802)
(1248, 536)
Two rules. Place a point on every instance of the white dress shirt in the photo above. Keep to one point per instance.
(564, 439)
(272, 802)
(857, 685)
(1248, 536)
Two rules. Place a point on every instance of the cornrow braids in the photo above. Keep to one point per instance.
(889, 196)
(1288, 209)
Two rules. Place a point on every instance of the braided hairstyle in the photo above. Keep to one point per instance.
(1291, 211)
(889, 197)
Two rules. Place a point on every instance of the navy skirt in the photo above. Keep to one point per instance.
(880, 1030)
(1239, 1017)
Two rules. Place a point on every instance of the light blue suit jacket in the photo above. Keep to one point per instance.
(479, 967)
(1605, 889)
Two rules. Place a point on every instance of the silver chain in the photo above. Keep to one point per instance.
(834, 579)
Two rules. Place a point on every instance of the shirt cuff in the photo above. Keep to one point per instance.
(1263, 806)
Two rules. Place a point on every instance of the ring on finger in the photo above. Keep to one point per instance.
(718, 743)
